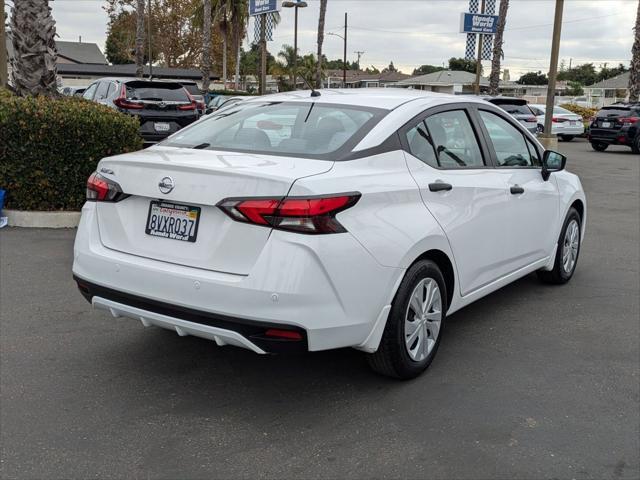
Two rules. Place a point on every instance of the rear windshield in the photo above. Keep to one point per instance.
(615, 112)
(192, 89)
(169, 92)
(515, 109)
(283, 128)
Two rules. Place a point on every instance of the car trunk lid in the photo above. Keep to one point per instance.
(200, 179)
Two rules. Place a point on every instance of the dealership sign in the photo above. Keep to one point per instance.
(259, 7)
(478, 23)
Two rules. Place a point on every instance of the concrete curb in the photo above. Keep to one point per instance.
(35, 219)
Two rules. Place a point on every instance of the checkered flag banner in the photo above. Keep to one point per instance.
(470, 50)
(487, 40)
(257, 30)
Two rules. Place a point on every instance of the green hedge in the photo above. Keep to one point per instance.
(50, 146)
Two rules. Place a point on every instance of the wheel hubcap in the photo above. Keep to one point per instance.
(423, 319)
(570, 246)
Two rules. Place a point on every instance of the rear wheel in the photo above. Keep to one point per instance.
(414, 327)
(567, 252)
(599, 146)
(635, 146)
(566, 138)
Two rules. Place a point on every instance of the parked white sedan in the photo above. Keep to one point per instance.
(357, 218)
(566, 124)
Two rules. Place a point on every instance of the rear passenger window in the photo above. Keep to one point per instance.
(101, 93)
(421, 146)
(508, 142)
(454, 140)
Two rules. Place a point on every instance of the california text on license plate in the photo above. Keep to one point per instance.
(171, 220)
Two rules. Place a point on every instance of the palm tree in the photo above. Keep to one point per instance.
(634, 76)
(308, 69)
(323, 12)
(34, 61)
(287, 56)
(140, 38)
(206, 44)
(239, 17)
(498, 53)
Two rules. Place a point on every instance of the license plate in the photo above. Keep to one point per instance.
(575, 124)
(606, 124)
(161, 126)
(174, 221)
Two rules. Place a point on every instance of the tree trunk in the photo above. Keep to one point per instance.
(140, 39)
(34, 61)
(206, 45)
(498, 53)
(238, 56)
(634, 76)
(323, 11)
(225, 34)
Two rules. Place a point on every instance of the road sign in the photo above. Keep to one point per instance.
(259, 7)
(478, 23)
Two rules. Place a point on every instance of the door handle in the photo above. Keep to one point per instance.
(440, 187)
(517, 190)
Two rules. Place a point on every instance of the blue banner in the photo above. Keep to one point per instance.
(478, 23)
(260, 7)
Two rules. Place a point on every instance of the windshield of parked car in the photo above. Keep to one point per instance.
(280, 128)
(515, 109)
(562, 111)
(616, 111)
(169, 92)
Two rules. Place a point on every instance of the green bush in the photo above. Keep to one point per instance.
(50, 146)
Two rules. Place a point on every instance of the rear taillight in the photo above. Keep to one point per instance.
(559, 120)
(313, 215)
(101, 189)
(190, 106)
(630, 120)
(531, 119)
(122, 101)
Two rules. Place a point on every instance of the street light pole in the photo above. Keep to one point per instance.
(344, 60)
(295, 5)
(547, 136)
(150, 50)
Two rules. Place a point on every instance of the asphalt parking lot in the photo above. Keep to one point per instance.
(531, 382)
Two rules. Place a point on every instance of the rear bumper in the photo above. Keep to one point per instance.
(329, 288)
(623, 136)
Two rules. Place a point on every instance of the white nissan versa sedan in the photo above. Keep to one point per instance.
(341, 218)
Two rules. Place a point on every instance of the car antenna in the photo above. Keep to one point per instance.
(314, 92)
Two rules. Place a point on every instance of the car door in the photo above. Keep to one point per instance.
(90, 91)
(534, 204)
(463, 191)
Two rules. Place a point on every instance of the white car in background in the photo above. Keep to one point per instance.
(566, 124)
(357, 218)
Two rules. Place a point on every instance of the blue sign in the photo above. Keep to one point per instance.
(260, 7)
(478, 23)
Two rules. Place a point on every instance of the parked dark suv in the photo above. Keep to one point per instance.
(617, 124)
(162, 107)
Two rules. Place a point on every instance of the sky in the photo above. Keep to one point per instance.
(415, 32)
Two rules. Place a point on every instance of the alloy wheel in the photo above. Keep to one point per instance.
(423, 319)
(570, 246)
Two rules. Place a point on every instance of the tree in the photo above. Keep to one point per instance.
(34, 61)
(498, 52)
(462, 65)
(323, 12)
(390, 68)
(586, 74)
(533, 78)
(634, 76)
(206, 44)
(120, 42)
(287, 60)
(308, 68)
(239, 17)
(139, 38)
(575, 89)
(427, 69)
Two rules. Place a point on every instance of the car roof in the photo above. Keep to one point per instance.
(384, 98)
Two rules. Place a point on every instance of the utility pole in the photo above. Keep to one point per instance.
(344, 60)
(4, 75)
(150, 48)
(548, 139)
(479, 60)
(263, 54)
(359, 55)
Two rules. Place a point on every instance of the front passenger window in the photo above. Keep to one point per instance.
(508, 142)
(454, 140)
(420, 145)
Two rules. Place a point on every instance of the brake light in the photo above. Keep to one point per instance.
(313, 215)
(101, 189)
(531, 119)
(190, 106)
(122, 101)
(630, 120)
(559, 120)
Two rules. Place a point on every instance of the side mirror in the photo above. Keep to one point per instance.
(552, 162)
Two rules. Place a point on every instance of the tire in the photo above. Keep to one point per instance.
(396, 357)
(599, 146)
(566, 138)
(563, 271)
(635, 147)
(540, 128)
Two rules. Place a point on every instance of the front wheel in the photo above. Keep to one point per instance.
(599, 146)
(567, 252)
(414, 327)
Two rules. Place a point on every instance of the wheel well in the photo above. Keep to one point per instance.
(579, 206)
(446, 267)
